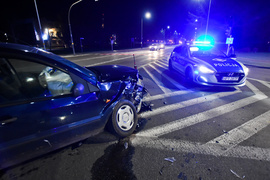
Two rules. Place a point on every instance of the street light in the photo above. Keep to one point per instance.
(72, 44)
(147, 16)
(207, 20)
(39, 25)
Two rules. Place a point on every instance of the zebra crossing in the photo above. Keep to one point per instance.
(226, 143)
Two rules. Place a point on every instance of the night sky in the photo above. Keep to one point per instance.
(249, 19)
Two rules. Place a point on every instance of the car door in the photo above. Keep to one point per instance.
(183, 59)
(38, 111)
(178, 58)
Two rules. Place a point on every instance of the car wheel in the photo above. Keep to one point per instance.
(170, 65)
(189, 75)
(124, 118)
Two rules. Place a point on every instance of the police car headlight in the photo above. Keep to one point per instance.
(205, 70)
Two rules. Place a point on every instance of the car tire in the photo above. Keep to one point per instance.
(124, 119)
(189, 75)
(170, 65)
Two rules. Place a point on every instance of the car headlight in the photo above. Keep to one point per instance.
(205, 70)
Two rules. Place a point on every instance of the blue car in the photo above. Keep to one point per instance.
(204, 64)
(48, 102)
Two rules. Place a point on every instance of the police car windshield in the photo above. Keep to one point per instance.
(206, 51)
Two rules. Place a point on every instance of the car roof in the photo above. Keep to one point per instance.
(19, 47)
(15, 48)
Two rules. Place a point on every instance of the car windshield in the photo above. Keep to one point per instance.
(206, 51)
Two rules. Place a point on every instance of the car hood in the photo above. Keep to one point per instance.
(223, 64)
(108, 73)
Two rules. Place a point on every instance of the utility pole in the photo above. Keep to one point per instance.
(41, 34)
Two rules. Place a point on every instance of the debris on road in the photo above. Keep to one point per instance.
(237, 174)
(188, 157)
(171, 159)
(45, 140)
(161, 170)
(126, 145)
(182, 176)
(146, 106)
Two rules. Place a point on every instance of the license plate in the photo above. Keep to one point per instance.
(230, 78)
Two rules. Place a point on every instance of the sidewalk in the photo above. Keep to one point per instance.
(259, 59)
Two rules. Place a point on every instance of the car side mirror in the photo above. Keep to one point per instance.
(233, 56)
(78, 89)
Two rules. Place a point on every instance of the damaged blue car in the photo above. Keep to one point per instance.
(48, 102)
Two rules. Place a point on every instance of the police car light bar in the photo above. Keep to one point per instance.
(201, 42)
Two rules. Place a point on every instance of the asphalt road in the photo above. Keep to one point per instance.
(184, 132)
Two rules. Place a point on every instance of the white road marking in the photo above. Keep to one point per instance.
(87, 59)
(161, 96)
(244, 131)
(187, 103)
(254, 89)
(228, 143)
(263, 82)
(199, 148)
(200, 117)
(168, 78)
(77, 55)
(165, 65)
(157, 82)
(113, 60)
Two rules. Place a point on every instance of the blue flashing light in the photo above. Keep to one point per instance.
(196, 72)
(205, 47)
(207, 40)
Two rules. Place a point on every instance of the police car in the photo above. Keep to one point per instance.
(204, 64)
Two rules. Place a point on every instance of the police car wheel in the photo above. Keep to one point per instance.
(170, 65)
(189, 75)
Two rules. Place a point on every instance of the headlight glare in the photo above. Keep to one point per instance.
(205, 70)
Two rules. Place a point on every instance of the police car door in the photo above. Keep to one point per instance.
(176, 58)
(182, 59)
